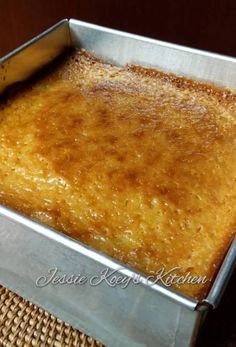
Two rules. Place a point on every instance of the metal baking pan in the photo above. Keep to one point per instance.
(140, 314)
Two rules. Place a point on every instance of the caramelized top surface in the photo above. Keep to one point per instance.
(134, 162)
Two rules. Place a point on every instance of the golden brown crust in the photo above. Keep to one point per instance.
(134, 162)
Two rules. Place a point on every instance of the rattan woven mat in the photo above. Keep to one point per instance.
(24, 324)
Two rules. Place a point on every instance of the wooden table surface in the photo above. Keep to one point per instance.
(208, 25)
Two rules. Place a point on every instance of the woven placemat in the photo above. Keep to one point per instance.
(24, 324)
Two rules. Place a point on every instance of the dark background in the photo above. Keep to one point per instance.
(209, 25)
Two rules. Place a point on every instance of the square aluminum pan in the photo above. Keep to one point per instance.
(139, 315)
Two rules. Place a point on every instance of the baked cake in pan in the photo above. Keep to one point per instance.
(134, 162)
